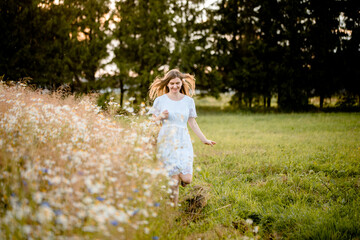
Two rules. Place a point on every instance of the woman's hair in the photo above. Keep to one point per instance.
(159, 86)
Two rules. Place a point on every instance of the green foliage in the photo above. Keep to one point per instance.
(89, 37)
(32, 44)
(192, 37)
(143, 45)
(53, 43)
(291, 49)
(103, 99)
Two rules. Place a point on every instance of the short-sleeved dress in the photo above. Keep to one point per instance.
(175, 149)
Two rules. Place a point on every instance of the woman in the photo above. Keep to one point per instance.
(175, 108)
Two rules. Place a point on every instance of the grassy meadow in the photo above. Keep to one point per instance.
(296, 176)
(72, 171)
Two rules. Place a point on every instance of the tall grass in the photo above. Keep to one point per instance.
(69, 170)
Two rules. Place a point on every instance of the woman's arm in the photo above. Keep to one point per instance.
(195, 127)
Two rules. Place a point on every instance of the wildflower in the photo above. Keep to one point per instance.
(58, 212)
(135, 212)
(62, 220)
(55, 180)
(137, 149)
(45, 204)
(26, 229)
(100, 199)
(136, 227)
(45, 214)
(22, 211)
(155, 238)
(37, 197)
(87, 200)
(249, 221)
(81, 157)
(121, 216)
(256, 229)
(114, 222)
(89, 229)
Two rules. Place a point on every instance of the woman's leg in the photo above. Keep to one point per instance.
(185, 179)
(175, 189)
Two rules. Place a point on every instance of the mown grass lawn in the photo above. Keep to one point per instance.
(296, 176)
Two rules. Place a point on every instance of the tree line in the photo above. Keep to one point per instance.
(291, 50)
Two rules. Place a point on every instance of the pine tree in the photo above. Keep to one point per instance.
(143, 47)
(89, 37)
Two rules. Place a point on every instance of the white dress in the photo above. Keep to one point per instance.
(175, 149)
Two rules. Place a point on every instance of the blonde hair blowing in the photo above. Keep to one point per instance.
(159, 86)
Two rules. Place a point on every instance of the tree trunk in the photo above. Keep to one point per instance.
(321, 101)
(250, 102)
(269, 101)
(264, 98)
(121, 83)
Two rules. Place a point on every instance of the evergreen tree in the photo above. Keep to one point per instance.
(350, 50)
(270, 51)
(323, 45)
(32, 42)
(236, 37)
(89, 38)
(143, 48)
(51, 42)
(191, 33)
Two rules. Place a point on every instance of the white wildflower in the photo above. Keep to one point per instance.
(37, 197)
(89, 229)
(26, 229)
(249, 221)
(62, 220)
(45, 214)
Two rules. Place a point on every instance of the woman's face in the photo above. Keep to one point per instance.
(174, 85)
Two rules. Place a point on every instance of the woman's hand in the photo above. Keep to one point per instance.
(164, 115)
(209, 142)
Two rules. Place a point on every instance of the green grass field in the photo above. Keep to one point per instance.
(296, 176)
